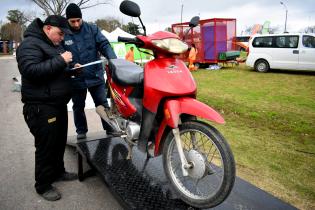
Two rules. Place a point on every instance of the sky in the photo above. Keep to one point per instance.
(160, 14)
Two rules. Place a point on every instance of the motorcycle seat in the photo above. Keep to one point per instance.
(126, 73)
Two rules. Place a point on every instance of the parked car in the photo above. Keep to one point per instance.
(282, 51)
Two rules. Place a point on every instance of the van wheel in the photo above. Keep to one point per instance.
(261, 66)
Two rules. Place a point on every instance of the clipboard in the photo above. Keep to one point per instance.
(88, 64)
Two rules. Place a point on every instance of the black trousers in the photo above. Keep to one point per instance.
(49, 126)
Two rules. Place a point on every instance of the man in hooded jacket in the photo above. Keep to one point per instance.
(45, 93)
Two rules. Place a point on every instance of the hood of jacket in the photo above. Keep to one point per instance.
(35, 29)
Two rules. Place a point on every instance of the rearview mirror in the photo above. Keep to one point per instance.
(130, 8)
(194, 21)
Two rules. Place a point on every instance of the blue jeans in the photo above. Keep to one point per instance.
(98, 94)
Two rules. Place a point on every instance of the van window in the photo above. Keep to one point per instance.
(262, 42)
(308, 41)
(286, 41)
(242, 38)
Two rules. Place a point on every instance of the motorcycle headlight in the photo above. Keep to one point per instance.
(172, 45)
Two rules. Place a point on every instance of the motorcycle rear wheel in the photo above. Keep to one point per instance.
(212, 175)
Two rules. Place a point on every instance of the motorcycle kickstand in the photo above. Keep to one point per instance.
(185, 165)
(130, 146)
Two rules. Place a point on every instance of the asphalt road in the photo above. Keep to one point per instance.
(17, 159)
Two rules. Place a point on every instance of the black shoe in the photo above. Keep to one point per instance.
(67, 176)
(81, 136)
(51, 195)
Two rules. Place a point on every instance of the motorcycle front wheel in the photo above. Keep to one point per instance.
(212, 173)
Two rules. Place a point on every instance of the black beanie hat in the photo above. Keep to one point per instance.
(73, 11)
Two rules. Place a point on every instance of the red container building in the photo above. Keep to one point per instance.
(211, 37)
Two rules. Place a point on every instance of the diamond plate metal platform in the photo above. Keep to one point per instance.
(141, 184)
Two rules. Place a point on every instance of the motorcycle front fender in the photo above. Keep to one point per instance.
(173, 108)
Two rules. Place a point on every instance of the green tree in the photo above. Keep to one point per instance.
(11, 31)
(1, 23)
(14, 29)
(131, 28)
(108, 24)
(16, 16)
(169, 29)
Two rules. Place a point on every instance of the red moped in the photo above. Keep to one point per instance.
(155, 108)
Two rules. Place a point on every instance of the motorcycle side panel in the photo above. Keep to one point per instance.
(120, 96)
(166, 77)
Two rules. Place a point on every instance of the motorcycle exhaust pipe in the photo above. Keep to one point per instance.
(133, 131)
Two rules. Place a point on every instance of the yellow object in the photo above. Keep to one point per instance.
(51, 120)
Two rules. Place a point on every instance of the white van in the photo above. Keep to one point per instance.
(282, 51)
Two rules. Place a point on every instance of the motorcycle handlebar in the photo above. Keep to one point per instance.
(135, 40)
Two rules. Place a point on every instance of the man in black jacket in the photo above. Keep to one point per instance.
(45, 94)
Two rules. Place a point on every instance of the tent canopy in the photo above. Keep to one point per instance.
(105, 33)
(113, 36)
(121, 48)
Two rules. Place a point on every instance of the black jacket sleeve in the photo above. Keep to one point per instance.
(34, 64)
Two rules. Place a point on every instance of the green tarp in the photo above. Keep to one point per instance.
(121, 49)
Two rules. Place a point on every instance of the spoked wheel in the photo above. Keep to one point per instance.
(212, 173)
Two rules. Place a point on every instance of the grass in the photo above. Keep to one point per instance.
(270, 125)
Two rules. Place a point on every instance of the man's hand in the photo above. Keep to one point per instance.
(67, 56)
(77, 65)
(78, 70)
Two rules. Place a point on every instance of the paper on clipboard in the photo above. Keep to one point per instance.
(88, 64)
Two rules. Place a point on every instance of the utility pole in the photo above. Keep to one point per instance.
(286, 16)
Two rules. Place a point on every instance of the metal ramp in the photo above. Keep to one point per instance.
(140, 183)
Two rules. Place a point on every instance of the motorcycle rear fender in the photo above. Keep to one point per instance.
(173, 108)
